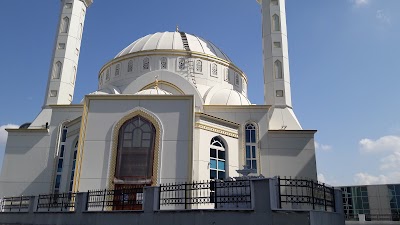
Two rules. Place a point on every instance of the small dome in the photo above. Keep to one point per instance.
(153, 91)
(229, 97)
(174, 41)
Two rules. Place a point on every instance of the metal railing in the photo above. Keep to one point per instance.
(216, 194)
(15, 204)
(120, 199)
(56, 202)
(305, 194)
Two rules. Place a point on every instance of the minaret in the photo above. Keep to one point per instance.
(277, 91)
(64, 63)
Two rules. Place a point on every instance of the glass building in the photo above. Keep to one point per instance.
(377, 202)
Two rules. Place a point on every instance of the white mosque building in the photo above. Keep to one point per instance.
(170, 107)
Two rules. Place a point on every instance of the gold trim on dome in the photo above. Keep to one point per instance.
(114, 148)
(216, 130)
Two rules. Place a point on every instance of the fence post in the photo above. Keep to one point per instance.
(81, 202)
(104, 198)
(32, 201)
(150, 199)
(324, 188)
(312, 195)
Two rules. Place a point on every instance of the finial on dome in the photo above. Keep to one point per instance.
(177, 28)
(156, 83)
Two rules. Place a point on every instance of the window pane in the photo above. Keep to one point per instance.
(213, 153)
(64, 135)
(146, 135)
(146, 143)
(253, 151)
(213, 164)
(127, 144)
(75, 152)
(62, 151)
(221, 154)
(254, 164)
(60, 165)
(221, 175)
(253, 136)
(58, 181)
(221, 165)
(248, 152)
(213, 174)
(247, 136)
(248, 163)
(127, 136)
(137, 138)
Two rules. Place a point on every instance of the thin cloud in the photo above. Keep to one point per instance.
(389, 143)
(322, 147)
(382, 16)
(368, 179)
(359, 3)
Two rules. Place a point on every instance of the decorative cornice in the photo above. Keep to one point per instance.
(292, 131)
(216, 130)
(263, 107)
(16, 130)
(217, 119)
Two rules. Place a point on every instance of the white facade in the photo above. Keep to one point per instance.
(170, 107)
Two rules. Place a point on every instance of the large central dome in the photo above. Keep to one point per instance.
(174, 41)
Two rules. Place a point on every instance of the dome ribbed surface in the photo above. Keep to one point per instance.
(173, 41)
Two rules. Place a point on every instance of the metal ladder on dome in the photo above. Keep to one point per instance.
(189, 61)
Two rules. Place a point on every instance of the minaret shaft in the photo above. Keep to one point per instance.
(64, 62)
(277, 91)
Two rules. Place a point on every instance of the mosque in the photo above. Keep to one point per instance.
(170, 107)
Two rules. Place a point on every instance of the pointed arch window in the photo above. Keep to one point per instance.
(80, 31)
(217, 159)
(73, 77)
(214, 70)
(108, 74)
(130, 66)
(251, 146)
(199, 66)
(117, 69)
(276, 23)
(164, 63)
(135, 152)
(146, 63)
(237, 81)
(73, 165)
(278, 69)
(57, 70)
(64, 25)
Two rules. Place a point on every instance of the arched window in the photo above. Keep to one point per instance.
(57, 70)
(108, 74)
(237, 81)
(73, 165)
(101, 80)
(276, 23)
(214, 70)
(64, 25)
(278, 69)
(73, 77)
(135, 152)
(117, 68)
(163, 63)
(130, 66)
(251, 146)
(146, 63)
(199, 66)
(217, 159)
(80, 31)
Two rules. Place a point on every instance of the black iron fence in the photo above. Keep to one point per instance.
(210, 194)
(15, 204)
(305, 194)
(120, 199)
(56, 202)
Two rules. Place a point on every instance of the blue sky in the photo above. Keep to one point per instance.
(343, 59)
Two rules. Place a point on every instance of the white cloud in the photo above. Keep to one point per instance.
(4, 134)
(321, 178)
(322, 147)
(391, 161)
(359, 3)
(381, 16)
(383, 144)
(366, 179)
